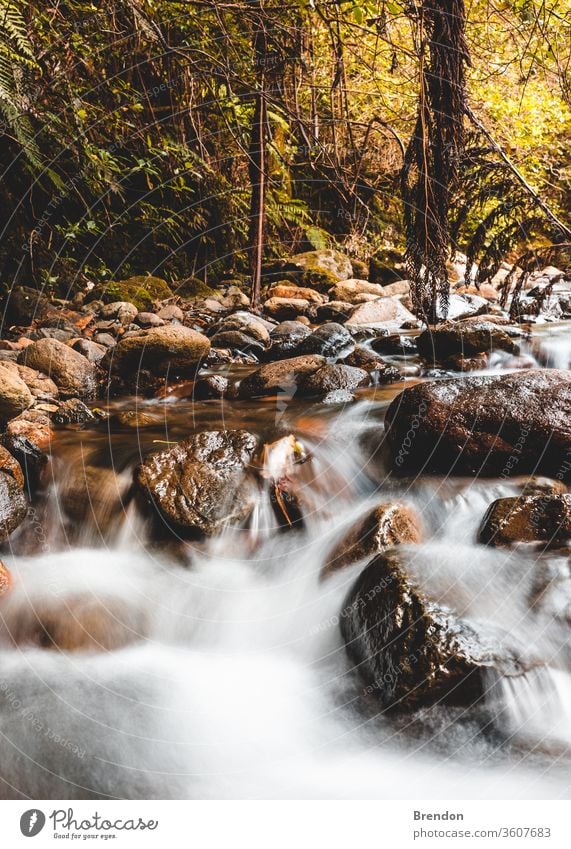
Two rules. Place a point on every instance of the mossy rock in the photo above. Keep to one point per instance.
(320, 280)
(142, 291)
(193, 287)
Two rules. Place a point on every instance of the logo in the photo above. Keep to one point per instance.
(32, 822)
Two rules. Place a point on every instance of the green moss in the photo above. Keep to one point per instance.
(319, 279)
(192, 287)
(142, 291)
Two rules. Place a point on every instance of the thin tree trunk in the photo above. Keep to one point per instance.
(258, 163)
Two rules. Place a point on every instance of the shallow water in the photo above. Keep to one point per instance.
(134, 668)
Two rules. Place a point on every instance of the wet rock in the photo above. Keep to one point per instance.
(407, 643)
(280, 376)
(10, 466)
(332, 378)
(201, 484)
(286, 309)
(5, 579)
(440, 342)
(13, 505)
(288, 291)
(459, 363)
(236, 340)
(90, 350)
(33, 425)
(72, 373)
(285, 339)
(25, 305)
(95, 496)
(171, 313)
(528, 518)
(73, 411)
(338, 396)
(328, 340)
(134, 419)
(160, 349)
(361, 357)
(251, 325)
(379, 312)
(394, 343)
(15, 397)
(31, 459)
(148, 319)
(383, 527)
(211, 386)
(338, 311)
(462, 306)
(121, 311)
(492, 424)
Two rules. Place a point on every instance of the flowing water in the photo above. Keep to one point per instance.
(138, 668)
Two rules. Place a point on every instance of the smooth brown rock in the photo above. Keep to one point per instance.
(528, 518)
(289, 290)
(286, 309)
(387, 525)
(72, 373)
(463, 338)
(201, 484)
(380, 311)
(160, 349)
(13, 505)
(5, 579)
(280, 376)
(519, 422)
(15, 396)
(330, 378)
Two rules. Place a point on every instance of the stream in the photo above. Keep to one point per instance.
(139, 667)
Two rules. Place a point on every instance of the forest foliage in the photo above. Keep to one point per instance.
(129, 132)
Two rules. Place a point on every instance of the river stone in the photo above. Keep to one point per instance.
(72, 373)
(395, 344)
(210, 386)
(332, 378)
(149, 319)
(286, 309)
(485, 424)
(90, 350)
(338, 311)
(444, 340)
(237, 340)
(528, 518)
(350, 289)
(160, 349)
(329, 340)
(15, 397)
(285, 338)
(380, 312)
(383, 527)
(5, 579)
(280, 376)
(10, 466)
(201, 484)
(122, 311)
(326, 261)
(410, 646)
(290, 290)
(13, 504)
(244, 322)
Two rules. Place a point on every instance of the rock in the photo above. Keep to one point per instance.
(332, 378)
(236, 340)
(141, 291)
(90, 350)
(13, 505)
(286, 309)
(338, 396)
(149, 319)
(528, 518)
(350, 289)
(5, 579)
(278, 377)
(25, 305)
(395, 344)
(134, 419)
(105, 339)
(121, 311)
(10, 466)
(32, 425)
(380, 312)
(201, 484)
(288, 291)
(444, 340)
(399, 287)
(171, 313)
(251, 325)
(73, 411)
(285, 339)
(235, 299)
(96, 497)
(211, 386)
(338, 311)
(15, 397)
(329, 340)
(385, 526)
(462, 306)
(160, 349)
(72, 373)
(407, 642)
(326, 260)
(490, 424)
(361, 357)
(459, 363)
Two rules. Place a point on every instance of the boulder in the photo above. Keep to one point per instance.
(25, 305)
(462, 306)
(15, 396)
(244, 322)
(72, 373)
(72, 411)
(201, 484)
(290, 290)
(328, 340)
(286, 309)
(281, 376)
(142, 291)
(90, 350)
(349, 289)
(13, 504)
(332, 378)
(440, 342)
(237, 340)
(160, 349)
(528, 518)
(10, 466)
(334, 311)
(34, 426)
(385, 526)
(285, 339)
(408, 643)
(122, 311)
(380, 312)
(492, 424)
(326, 260)
(403, 346)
